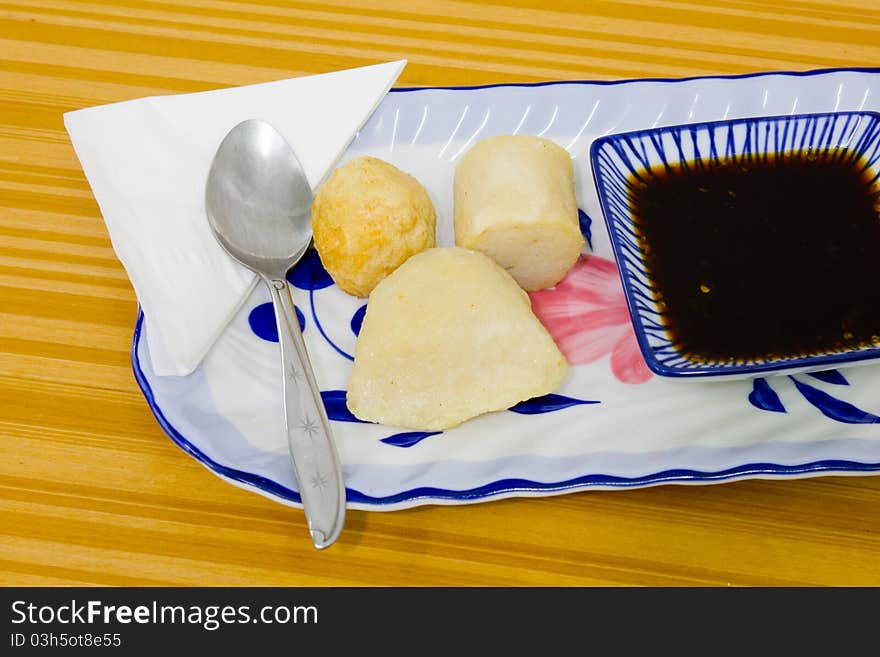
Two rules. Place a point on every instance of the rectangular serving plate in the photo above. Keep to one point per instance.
(227, 414)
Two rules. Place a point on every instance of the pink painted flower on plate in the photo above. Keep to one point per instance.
(587, 316)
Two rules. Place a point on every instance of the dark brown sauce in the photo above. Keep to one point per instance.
(763, 259)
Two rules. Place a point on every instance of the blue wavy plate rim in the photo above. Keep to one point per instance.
(730, 76)
(493, 489)
(505, 487)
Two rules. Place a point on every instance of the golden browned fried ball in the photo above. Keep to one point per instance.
(367, 219)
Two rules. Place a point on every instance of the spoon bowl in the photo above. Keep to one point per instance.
(258, 201)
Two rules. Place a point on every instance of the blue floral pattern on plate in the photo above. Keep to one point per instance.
(310, 275)
(764, 397)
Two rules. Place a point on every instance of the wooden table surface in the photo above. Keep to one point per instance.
(91, 489)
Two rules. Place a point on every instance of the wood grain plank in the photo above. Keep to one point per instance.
(93, 492)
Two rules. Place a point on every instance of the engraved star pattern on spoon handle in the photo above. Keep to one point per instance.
(307, 426)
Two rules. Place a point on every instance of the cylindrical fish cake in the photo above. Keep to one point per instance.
(515, 202)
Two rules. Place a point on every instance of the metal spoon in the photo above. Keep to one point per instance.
(258, 202)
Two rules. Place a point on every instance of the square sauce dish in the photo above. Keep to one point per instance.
(748, 247)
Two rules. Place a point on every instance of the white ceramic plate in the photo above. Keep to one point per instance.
(612, 424)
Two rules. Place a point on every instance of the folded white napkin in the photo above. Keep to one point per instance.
(147, 161)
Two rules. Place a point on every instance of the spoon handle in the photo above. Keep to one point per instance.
(315, 461)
